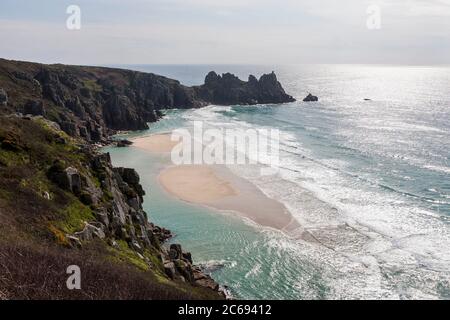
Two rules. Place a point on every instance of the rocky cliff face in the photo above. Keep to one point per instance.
(94, 102)
(57, 190)
(121, 217)
(229, 89)
(90, 102)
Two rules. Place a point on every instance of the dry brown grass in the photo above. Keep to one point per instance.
(39, 273)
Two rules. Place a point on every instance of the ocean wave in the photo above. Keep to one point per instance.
(211, 266)
(253, 272)
(437, 168)
(361, 223)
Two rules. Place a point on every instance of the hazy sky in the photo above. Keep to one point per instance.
(226, 31)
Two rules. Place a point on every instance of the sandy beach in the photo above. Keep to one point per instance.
(158, 143)
(215, 186)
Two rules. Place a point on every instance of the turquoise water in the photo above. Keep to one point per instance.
(234, 251)
(368, 179)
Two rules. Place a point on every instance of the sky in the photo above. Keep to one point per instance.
(415, 32)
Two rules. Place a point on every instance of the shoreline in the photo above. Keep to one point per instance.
(218, 188)
(155, 143)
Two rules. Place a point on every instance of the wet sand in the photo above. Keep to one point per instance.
(217, 187)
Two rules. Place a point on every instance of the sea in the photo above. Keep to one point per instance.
(365, 172)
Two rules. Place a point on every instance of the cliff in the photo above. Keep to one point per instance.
(62, 203)
(229, 90)
(94, 102)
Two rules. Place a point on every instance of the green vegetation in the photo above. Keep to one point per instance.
(123, 253)
(37, 214)
(74, 216)
(92, 85)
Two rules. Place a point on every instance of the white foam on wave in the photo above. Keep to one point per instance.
(365, 235)
(438, 168)
(214, 265)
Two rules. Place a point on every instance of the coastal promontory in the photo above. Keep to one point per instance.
(94, 102)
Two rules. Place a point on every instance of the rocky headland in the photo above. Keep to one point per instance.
(94, 102)
(228, 89)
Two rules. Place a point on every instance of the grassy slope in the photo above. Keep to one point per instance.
(33, 251)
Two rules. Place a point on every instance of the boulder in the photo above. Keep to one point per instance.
(90, 232)
(74, 242)
(187, 256)
(311, 98)
(161, 234)
(68, 179)
(73, 180)
(169, 269)
(102, 217)
(175, 251)
(208, 282)
(130, 176)
(185, 269)
(123, 143)
(136, 246)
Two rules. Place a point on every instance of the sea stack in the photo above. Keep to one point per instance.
(311, 98)
(228, 89)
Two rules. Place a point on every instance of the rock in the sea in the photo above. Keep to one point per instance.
(123, 143)
(310, 98)
(3, 97)
(229, 89)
